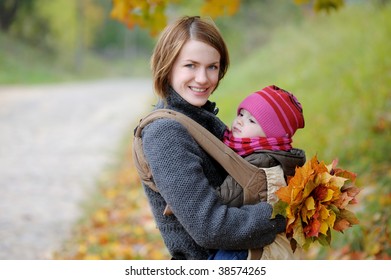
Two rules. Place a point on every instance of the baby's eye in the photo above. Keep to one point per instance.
(252, 121)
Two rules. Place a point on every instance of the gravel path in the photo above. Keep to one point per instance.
(54, 142)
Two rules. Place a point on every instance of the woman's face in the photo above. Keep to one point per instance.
(195, 73)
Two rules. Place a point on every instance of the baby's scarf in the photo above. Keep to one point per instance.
(246, 146)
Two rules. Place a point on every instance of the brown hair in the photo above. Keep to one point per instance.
(171, 41)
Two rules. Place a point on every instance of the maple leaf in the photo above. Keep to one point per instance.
(297, 233)
(217, 8)
(314, 202)
(344, 220)
(313, 228)
(284, 193)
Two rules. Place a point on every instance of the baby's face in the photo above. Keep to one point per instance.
(246, 126)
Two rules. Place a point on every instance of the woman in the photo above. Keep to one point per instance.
(188, 62)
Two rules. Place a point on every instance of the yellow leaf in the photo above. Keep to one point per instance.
(299, 2)
(309, 187)
(233, 7)
(329, 195)
(310, 213)
(331, 219)
(337, 181)
(216, 8)
(324, 228)
(100, 217)
(120, 9)
(92, 257)
(298, 233)
(310, 203)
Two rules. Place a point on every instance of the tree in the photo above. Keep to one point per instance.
(9, 10)
(152, 14)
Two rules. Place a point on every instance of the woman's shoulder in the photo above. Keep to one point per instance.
(164, 132)
(162, 125)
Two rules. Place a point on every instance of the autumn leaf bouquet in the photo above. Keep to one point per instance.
(314, 203)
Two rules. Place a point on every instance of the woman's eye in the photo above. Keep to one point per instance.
(189, 66)
(213, 67)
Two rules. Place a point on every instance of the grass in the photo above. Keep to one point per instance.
(339, 67)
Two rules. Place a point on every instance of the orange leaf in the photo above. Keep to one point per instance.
(284, 194)
(312, 229)
(341, 225)
(216, 8)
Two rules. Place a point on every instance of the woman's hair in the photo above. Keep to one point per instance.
(171, 41)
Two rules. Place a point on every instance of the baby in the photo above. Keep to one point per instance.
(262, 133)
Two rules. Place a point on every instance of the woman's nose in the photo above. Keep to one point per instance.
(201, 76)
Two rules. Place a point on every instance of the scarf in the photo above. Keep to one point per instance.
(246, 146)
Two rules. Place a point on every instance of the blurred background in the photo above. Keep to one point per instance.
(335, 58)
(67, 40)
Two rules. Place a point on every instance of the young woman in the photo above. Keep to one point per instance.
(188, 62)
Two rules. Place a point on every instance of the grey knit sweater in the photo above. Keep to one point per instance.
(186, 178)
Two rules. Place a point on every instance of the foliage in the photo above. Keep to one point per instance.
(9, 9)
(70, 40)
(314, 202)
(119, 224)
(114, 40)
(151, 14)
(322, 5)
(146, 14)
(58, 26)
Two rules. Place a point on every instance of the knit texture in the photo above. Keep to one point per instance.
(277, 111)
(247, 146)
(187, 178)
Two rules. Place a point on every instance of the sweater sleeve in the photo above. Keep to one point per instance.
(176, 162)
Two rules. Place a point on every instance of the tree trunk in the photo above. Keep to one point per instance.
(8, 9)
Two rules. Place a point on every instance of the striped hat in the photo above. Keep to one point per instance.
(277, 111)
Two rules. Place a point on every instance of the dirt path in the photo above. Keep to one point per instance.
(54, 142)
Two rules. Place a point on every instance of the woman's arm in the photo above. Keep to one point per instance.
(177, 164)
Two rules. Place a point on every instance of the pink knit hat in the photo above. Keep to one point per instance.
(277, 111)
